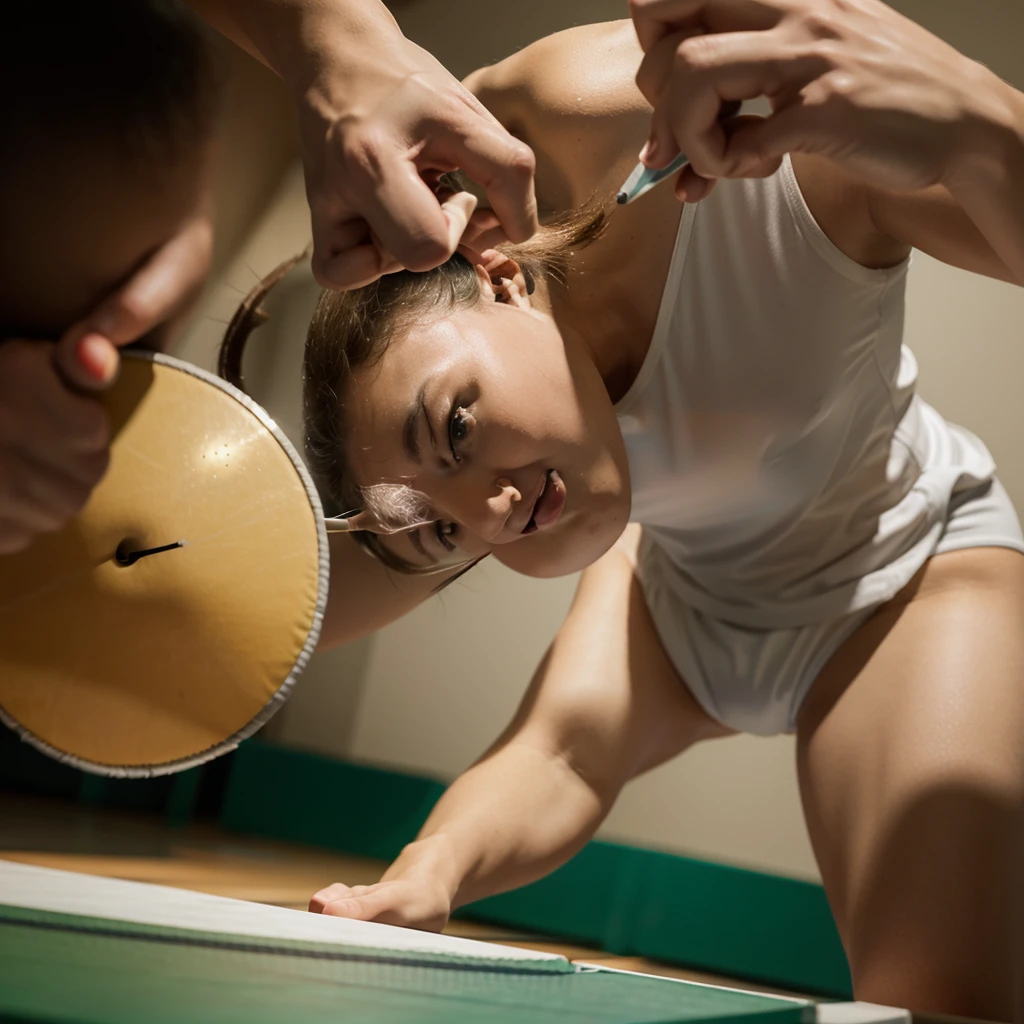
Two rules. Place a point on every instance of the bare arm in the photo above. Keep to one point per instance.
(935, 140)
(977, 222)
(365, 595)
(284, 36)
(604, 706)
(878, 227)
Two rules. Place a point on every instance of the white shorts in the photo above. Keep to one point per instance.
(754, 680)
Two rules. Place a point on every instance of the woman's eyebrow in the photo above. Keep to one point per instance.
(410, 432)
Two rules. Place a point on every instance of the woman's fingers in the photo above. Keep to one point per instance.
(87, 361)
(707, 71)
(857, 83)
(484, 231)
(691, 187)
(154, 294)
(504, 167)
(403, 902)
(758, 145)
(162, 287)
(654, 75)
(655, 19)
(53, 444)
(330, 893)
(345, 254)
(363, 907)
(359, 903)
(457, 210)
(370, 181)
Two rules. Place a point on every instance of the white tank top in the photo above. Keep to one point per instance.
(782, 466)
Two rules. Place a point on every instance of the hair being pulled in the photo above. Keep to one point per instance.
(352, 330)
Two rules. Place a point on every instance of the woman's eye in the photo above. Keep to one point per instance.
(458, 429)
(445, 533)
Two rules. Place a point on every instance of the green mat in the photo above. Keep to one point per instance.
(69, 969)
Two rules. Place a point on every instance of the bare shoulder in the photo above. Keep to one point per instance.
(572, 97)
(581, 71)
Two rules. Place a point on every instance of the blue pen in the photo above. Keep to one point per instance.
(643, 179)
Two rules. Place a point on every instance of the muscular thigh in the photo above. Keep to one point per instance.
(911, 759)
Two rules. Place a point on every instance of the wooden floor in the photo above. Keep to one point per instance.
(208, 859)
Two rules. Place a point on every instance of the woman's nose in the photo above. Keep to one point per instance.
(484, 507)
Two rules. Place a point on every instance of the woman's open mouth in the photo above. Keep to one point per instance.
(549, 504)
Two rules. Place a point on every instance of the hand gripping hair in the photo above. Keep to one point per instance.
(353, 329)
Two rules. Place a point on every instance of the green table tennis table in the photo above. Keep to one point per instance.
(76, 949)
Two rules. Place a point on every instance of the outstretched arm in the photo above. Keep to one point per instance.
(604, 706)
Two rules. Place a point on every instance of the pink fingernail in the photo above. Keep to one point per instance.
(97, 357)
(650, 149)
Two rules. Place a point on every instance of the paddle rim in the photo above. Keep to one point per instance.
(145, 771)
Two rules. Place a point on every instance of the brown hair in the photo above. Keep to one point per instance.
(352, 330)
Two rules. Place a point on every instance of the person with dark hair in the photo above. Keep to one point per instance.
(110, 105)
(107, 110)
(812, 547)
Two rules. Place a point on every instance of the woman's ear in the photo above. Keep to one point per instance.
(502, 279)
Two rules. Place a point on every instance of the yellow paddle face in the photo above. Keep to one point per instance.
(149, 667)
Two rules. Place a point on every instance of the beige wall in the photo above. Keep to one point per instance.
(430, 692)
(257, 140)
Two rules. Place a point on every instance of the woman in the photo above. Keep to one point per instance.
(819, 551)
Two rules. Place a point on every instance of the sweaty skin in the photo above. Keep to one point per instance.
(535, 378)
(920, 860)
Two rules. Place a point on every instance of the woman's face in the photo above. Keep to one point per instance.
(508, 431)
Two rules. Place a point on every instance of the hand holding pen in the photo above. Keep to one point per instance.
(856, 83)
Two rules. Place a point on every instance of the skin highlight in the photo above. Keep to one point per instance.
(505, 398)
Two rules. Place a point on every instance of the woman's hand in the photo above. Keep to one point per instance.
(420, 902)
(381, 119)
(850, 80)
(53, 442)
(152, 303)
(54, 437)
(377, 134)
